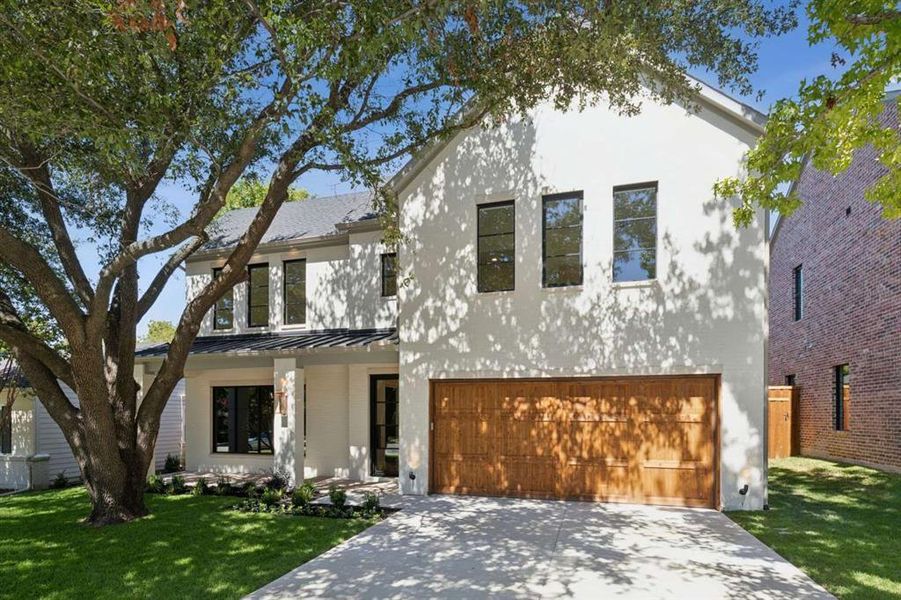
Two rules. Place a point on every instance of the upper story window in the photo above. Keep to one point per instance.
(798, 286)
(295, 290)
(562, 239)
(258, 295)
(389, 274)
(224, 309)
(496, 247)
(635, 232)
(842, 397)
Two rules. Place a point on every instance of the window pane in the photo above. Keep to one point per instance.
(295, 292)
(634, 235)
(497, 248)
(560, 242)
(223, 314)
(563, 212)
(563, 270)
(222, 398)
(496, 277)
(259, 316)
(495, 219)
(258, 296)
(635, 265)
(389, 275)
(630, 204)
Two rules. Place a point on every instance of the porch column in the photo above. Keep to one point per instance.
(288, 429)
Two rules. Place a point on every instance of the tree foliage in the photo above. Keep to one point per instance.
(102, 101)
(250, 192)
(831, 118)
(160, 332)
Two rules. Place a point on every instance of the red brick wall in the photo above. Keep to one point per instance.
(852, 313)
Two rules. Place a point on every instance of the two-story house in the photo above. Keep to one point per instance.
(579, 318)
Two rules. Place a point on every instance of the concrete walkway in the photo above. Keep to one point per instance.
(458, 547)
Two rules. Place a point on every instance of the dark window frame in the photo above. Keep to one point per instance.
(840, 380)
(285, 291)
(791, 380)
(580, 196)
(628, 188)
(798, 292)
(384, 259)
(233, 417)
(6, 430)
(373, 422)
(216, 309)
(479, 208)
(249, 288)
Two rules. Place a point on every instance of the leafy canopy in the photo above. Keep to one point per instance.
(250, 192)
(159, 332)
(831, 118)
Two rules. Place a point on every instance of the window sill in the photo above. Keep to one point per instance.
(295, 327)
(494, 293)
(242, 454)
(642, 283)
(224, 331)
(562, 289)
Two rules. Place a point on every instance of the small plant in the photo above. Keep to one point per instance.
(60, 481)
(177, 485)
(338, 497)
(224, 487)
(201, 488)
(172, 464)
(249, 490)
(155, 484)
(371, 503)
(303, 496)
(277, 482)
(270, 498)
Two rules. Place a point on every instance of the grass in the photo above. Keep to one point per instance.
(841, 524)
(189, 547)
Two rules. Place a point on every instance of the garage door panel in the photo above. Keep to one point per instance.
(632, 439)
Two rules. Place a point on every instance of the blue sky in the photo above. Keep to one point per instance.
(783, 62)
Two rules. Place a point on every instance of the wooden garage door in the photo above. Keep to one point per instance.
(649, 440)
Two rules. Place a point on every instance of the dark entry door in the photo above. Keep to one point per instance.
(383, 416)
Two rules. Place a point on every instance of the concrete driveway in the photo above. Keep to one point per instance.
(446, 546)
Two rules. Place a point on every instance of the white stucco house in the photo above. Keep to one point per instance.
(33, 450)
(571, 314)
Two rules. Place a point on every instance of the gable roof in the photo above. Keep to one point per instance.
(311, 218)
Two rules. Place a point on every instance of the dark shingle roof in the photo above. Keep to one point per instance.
(274, 342)
(10, 374)
(310, 218)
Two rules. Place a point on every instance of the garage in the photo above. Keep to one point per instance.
(650, 440)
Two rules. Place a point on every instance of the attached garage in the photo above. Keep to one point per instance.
(650, 440)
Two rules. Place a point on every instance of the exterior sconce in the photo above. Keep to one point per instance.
(281, 402)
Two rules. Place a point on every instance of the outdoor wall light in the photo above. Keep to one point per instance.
(281, 402)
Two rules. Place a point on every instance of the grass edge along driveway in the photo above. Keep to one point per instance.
(838, 523)
(188, 547)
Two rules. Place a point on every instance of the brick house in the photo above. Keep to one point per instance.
(835, 314)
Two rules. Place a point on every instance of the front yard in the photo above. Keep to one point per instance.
(189, 547)
(840, 524)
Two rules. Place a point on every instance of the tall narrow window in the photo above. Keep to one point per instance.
(242, 419)
(224, 309)
(295, 292)
(635, 232)
(790, 380)
(496, 247)
(6, 431)
(562, 239)
(389, 274)
(258, 295)
(798, 276)
(842, 397)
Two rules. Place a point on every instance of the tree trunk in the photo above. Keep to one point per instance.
(116, 500)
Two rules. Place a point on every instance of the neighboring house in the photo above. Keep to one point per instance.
(577, 318)
(33, 450)
(835, 314)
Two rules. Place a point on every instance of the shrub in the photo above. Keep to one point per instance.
(60, 481)
(303, 495)
(155, 485)
(249, 490)
(224, 487)
(271, 498)
(201, 488)
(172, 464)
(371, 503)
(338, 497)
(177, 485)
(276, 482)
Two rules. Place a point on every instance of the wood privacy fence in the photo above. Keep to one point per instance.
(783, 437)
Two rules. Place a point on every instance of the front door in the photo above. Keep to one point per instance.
(383, 416)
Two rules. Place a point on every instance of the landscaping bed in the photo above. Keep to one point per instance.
(838, 523)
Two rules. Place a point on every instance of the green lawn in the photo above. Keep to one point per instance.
(840, 524)
(188, 547)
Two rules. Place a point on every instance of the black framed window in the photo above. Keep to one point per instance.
(561, 227)
(635, 232)
(790, 380)
(258, 295)
(243, 419)
(295, 291)
(842, 397)
(496, 247)
(384, 417)
(389, 274)
(6, 431)
(798, 279)
(224, 309)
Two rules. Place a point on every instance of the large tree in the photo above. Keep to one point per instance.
(831, 118)
(102, 101)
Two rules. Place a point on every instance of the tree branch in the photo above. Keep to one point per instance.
(162, 276)
(15, 334)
